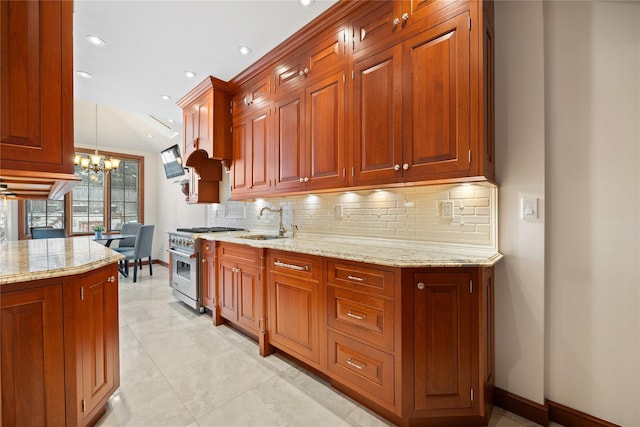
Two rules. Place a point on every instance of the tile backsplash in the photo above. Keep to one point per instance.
(409, 213)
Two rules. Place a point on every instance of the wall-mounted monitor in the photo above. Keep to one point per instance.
(172, 162)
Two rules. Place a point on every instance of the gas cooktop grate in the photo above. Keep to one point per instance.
(208, 229)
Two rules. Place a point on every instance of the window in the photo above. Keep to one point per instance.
(110, 199)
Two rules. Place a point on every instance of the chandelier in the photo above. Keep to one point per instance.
(95, 162)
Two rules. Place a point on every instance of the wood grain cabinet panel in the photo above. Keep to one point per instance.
(367, 318)
(294, 305)
(442, 341)
(36, 118)
(250, 170)
(411, 12)
(60, 349)
(436, 100)
(377, 118)
(372, 28)
(241, 296)
(209, 274)
(367, 370)
(98, 308)
(33, 389)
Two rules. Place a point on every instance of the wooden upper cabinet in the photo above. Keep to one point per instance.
(36, 96)
(374, 27)
(327, 52)
(289, 165)
(207, 120)
(325, 133)
(377, 118)
(410, 12)
(250, 170)
(253, 95)
(436, 102)
(310, 136)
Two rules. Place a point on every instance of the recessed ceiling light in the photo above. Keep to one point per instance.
(244, 50)
(306, 3)
(165, 97)
(149, 136)
(190, 74)
(95, 40)
(170, 120)
(84, 74)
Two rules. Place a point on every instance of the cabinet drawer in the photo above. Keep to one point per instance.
(366, 370)
(361, 316)
(376, 26)
(361, 277)
(240, 253)
(303, 266)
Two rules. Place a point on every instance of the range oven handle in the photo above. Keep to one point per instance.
(182, 254)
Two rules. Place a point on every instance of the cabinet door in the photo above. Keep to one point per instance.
(227, 289)
(412, 11)
(36, 80)
(249, 300)
(326, 54)
(100, 339)
(377, 118)
(442, 341)
(325, 133)
(32, 358)
(251, 157)
(208, 274)
(190, 123)
(289, 142)
(294, 316)
(436, 98)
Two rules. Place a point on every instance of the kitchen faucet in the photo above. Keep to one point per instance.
(282, 230)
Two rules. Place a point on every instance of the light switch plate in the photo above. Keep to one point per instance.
(529, 208)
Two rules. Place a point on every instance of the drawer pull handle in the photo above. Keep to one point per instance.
(291, 266)
(356, 365)
(356, 278)
(355, 316)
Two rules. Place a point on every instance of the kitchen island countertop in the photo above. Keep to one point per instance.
(27, 260)
(392, 253)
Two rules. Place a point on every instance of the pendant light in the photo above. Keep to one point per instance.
(95, 162)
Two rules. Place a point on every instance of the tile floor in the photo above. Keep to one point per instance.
(178, 370)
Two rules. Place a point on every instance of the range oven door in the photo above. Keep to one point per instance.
(184, 278)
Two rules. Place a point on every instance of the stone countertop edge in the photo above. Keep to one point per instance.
(25, 261)
(404, 254)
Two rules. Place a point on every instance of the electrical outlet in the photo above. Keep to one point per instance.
(446, 209)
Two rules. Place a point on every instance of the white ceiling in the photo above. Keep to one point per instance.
(149, 45)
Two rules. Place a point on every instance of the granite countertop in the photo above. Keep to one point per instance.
(393, 253)
(27, 260)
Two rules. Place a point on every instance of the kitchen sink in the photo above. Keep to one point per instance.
(262, 237)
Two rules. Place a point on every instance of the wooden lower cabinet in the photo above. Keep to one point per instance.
(413, 344)
(60, 349)
(295, 306)
(209, 274)
(241, 296)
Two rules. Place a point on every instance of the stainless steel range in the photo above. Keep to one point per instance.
(185, 254)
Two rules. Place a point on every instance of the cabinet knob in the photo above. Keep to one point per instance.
(306, 179)
(301, 179)
(111, 279)
(405, 17)
(396, 168)
(396, 22)
(303, 72)
(204, 261)
(405, 166)
(420, 285)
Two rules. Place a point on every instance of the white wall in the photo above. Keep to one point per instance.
(592, 99)
(519, 83)
(567, 128)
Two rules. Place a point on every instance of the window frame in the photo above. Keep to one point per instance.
(24, 233)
